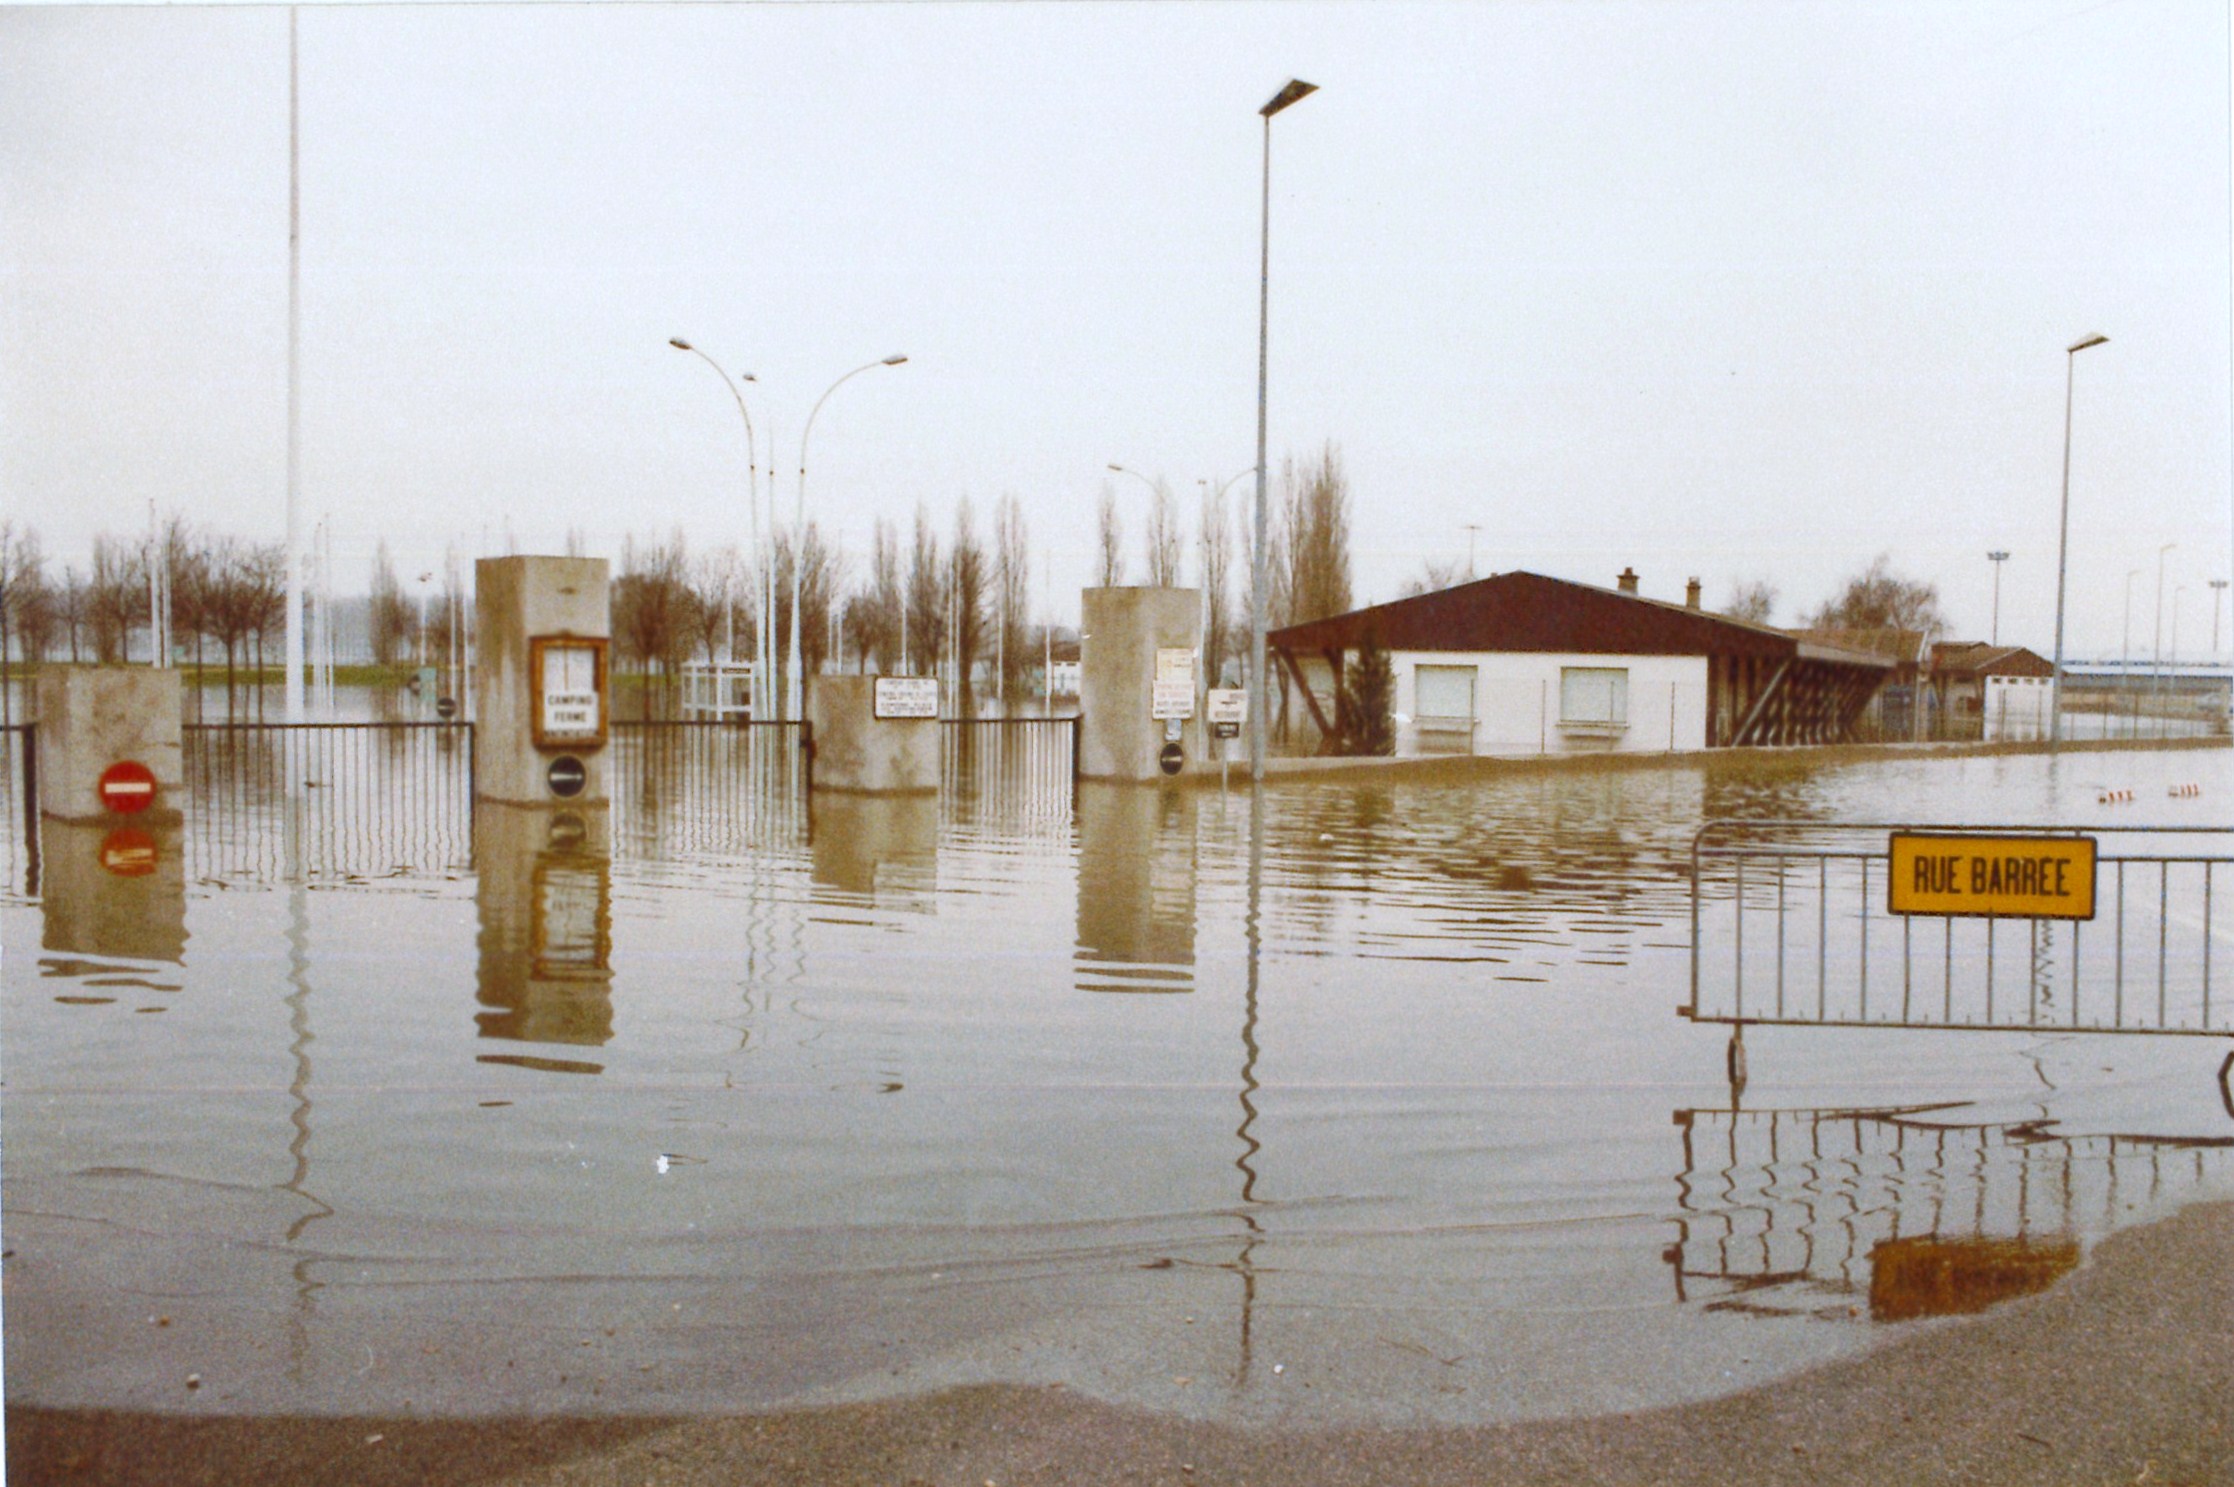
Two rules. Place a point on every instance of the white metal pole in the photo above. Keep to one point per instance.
(294, 645)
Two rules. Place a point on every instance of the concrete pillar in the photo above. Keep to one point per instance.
(94, 717)
(546, 900)
(856, 750)
(542, 692)
(1125, 633)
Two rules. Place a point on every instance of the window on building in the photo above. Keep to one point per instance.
(1594, 696)
(1443, 694)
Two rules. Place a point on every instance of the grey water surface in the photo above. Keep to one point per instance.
(1366, 1100)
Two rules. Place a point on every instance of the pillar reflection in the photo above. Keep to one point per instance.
(113, 890)
(876, 849)
(546, 943)
(1136, 887)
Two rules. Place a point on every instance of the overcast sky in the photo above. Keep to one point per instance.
(1736, 290)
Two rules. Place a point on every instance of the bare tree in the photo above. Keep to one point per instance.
(1753, 600)
(70, 607)
(1164, 545)
(116, 596)
(389, 619)
(22, 603)
(1216, 538)
(1111, 570)
(875, 619)
(1434, 578)
(716, 595)
(967, 604)
(1012, 586)
(821, 575)
(652, 611)
(926, 601)
(1315, 501)
(1879, 599)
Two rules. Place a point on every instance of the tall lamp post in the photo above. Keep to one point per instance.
(798, 682)
(1997, 558)
(2063, 537)
(2218, 589)
(1295, 91)
(1155, 495)
(760, 651)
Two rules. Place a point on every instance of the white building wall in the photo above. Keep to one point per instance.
(2016, 708)
(1517, 704)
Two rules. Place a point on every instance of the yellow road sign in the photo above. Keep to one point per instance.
(2009, 877)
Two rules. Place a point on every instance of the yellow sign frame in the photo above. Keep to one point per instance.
(1965, 876)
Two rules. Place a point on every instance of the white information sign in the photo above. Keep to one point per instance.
(570, 690)
(907, 697)
(1173, 692)
(1228, 708)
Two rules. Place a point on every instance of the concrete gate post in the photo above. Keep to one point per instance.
(862, 745)
(542, 693)
(119, 722)
(1130, 640)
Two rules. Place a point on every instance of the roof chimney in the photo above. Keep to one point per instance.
(1691, 593)
(1628, 580)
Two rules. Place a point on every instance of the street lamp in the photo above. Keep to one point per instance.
(798, 691)
(1148, 530)
(2063, 537)
(1295, 91)
(2218, 588)
(1995, 558)
(760, 653)
(2156, 639)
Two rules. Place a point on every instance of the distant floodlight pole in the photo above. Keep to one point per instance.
(2125, 646)
(1295, 91)
(1997, 558)
(2218, 589)
(797, 689)
(2063, 539)
(760, 652)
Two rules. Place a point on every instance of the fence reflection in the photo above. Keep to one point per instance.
(1809, 1212)
(716, 788)
(1011, 774)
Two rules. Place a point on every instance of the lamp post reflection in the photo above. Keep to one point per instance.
(546, 902)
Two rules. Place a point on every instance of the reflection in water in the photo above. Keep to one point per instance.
(1136, 887)
(114, 890)
(1802, 1212)
(546, 945)
(880, 850)
(1932, 1277)
(1253, 927)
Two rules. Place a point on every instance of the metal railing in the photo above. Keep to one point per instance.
(375, 799)
(1789, 925)
(19, 808)
(1805, 1212)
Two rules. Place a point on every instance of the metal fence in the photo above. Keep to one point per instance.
(1807, 1212)
(19, 808)
(375, 799)
(1789, 925)
(1010, 771)
(719, 787)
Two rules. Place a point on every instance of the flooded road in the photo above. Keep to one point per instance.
(1367, 1101)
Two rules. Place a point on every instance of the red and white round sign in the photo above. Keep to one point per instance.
(127, 786)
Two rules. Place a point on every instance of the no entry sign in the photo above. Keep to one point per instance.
(127, 786)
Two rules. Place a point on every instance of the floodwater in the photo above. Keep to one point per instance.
(1360, 1100)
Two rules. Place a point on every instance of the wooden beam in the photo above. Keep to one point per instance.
(1760, 704)
(1310, 700)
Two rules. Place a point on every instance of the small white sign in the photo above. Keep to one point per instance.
(1228, 705)
(907, 697)
(1172, 695)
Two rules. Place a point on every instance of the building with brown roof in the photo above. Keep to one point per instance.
(1521, 663)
